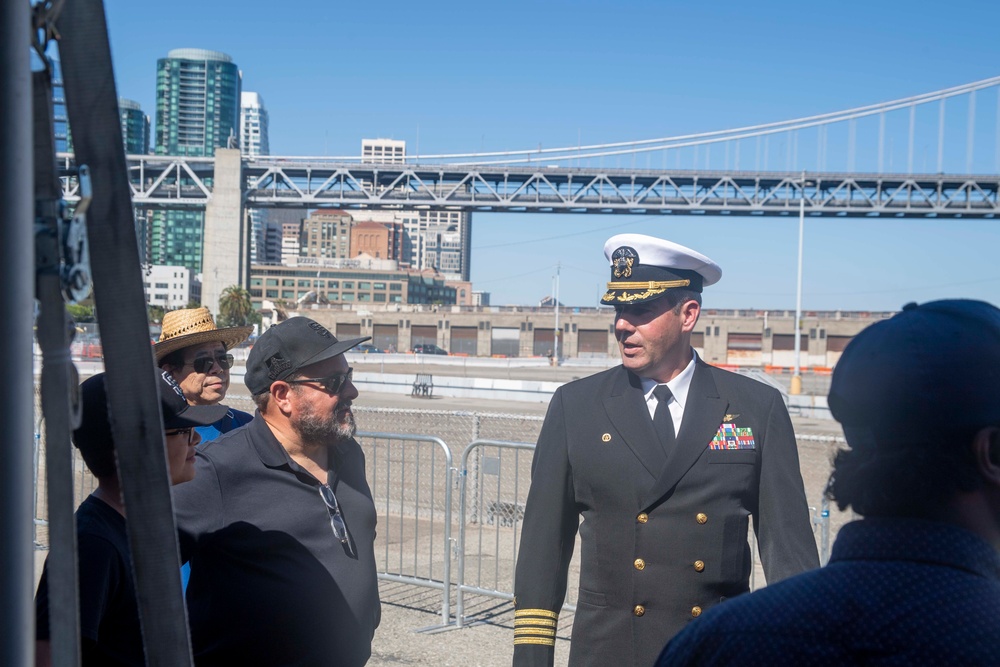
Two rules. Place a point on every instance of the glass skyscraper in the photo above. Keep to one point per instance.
(254, 141)
(135, 127)
(197, 111)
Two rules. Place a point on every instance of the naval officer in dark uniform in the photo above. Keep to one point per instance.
(666, 458)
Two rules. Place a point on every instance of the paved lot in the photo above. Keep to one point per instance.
(487, 641)
(410, 632)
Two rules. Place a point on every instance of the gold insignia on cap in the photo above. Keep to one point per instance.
(622, 261)
(623, 267)
(729, 418)
(651, 287)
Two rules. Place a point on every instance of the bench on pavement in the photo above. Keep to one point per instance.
(423, 385)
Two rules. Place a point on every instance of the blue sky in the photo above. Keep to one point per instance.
(460, 76)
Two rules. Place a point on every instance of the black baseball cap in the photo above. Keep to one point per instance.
(931, 370)
(288, 346)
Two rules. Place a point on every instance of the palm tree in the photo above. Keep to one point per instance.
(235, 308)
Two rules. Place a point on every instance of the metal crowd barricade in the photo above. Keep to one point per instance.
(494, 482)
(411, 478)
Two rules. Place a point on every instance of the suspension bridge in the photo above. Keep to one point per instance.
(920, 156)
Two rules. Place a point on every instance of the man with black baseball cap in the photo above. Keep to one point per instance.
(279, 525)
(917, 581)
(109, 614)
(666, 458)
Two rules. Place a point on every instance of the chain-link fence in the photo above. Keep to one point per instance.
(450, 489)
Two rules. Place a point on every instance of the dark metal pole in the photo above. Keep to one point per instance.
(17, 627)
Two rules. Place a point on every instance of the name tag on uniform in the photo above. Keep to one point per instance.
(731, 436)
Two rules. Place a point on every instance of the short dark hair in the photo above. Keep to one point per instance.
(261, 400)
(93, 437)
(676, 297)
(915, 479)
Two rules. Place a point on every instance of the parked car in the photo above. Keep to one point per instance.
(368, 348)
(427, 348)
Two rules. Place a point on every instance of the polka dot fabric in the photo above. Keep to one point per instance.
(896, 592)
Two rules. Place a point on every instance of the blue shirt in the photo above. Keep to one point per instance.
(896, 592)
(233, 419)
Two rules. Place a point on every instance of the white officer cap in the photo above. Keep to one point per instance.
(644, 267)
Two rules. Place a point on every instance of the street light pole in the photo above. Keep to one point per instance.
(555, 342)
(796, 386)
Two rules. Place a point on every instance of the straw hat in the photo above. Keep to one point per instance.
(194, 326)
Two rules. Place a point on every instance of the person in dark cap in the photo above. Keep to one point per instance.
(109, 613)
(917, 580)
(279, 524)
(665, 458)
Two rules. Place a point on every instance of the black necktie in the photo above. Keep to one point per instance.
(662, 420)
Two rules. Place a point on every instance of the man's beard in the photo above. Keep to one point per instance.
(321, 429)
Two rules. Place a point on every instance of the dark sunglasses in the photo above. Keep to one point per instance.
(333, 383)
(204, 364)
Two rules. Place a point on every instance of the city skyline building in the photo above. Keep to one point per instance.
(197, 111)
(381, 240)
(135, 137)
(61, 118)
(254, 142)
(439, 240)
(254, 121)
(383, 151)
(135, 127)
(168, 287)
(326, 234)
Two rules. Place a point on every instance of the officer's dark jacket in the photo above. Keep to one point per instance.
(662, 539)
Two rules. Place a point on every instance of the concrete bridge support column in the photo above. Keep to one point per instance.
(226, 242)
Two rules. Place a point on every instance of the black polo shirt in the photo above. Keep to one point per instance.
(270, 582)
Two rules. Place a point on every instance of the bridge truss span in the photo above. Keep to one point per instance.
(176, 182)
(573, 190)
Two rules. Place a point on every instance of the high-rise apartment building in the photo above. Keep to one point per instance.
(135, 127)
(197, 111)
(441, 240)
(254, 141)
(197, 102)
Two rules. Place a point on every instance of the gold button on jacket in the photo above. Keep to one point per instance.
(642, 518)
(701, 518)
(640, 564)
(699, 565)
(639, 610)
(695, 612)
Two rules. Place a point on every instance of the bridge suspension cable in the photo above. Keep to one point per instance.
(717, 136)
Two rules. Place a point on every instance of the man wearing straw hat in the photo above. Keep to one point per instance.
(196, 353)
